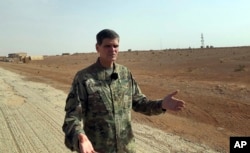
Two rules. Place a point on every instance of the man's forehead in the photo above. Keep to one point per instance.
(110, 41)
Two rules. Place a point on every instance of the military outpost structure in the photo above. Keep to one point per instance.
(20, 57)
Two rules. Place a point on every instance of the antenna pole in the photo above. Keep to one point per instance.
(202, 41)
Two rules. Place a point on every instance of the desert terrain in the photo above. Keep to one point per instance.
(214, 82)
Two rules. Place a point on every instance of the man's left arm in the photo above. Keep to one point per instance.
(141, 104)
(154, 107)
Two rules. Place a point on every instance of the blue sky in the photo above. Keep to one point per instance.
(50, 27)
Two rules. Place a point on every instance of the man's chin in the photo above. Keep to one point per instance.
(114, 59)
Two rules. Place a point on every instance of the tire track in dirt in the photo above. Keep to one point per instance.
(30, 118)
(18, 134)
(30, 133)
(32, 115)
(6, 138)
(156, 141)
(44, 124)
(10, 131)
(47, 118)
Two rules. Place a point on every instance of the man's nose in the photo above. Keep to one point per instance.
(113, 48)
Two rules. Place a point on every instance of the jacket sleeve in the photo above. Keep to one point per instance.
(141, 104)
(74, 112)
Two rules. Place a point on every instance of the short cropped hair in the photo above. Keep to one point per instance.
(106, 33)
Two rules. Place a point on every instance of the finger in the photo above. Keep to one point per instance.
(181, 102)
(179, 109)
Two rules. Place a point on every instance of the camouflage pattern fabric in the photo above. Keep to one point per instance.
(101, 108)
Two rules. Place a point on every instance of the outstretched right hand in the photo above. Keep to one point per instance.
(85, 145)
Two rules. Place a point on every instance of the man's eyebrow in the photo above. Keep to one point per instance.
(108, 45)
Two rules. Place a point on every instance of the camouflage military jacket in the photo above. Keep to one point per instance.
(100, 107)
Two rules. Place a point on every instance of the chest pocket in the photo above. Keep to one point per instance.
(122, 93)
(99, 99)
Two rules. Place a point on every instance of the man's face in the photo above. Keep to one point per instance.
(108, 50)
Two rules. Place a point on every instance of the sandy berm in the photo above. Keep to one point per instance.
(31, 116)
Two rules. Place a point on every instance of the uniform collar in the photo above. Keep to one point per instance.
(99, 65)
(100, 70)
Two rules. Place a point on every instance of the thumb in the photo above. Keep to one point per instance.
(173, 93)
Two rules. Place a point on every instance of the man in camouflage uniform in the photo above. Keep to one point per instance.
(98, 107)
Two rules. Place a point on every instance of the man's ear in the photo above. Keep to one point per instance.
(97, 47)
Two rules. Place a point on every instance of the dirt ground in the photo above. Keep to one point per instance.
(31, 116)
(214, 82)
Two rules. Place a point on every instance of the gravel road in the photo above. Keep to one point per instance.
(31, 116)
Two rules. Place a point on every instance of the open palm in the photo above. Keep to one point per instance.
(172, 103)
